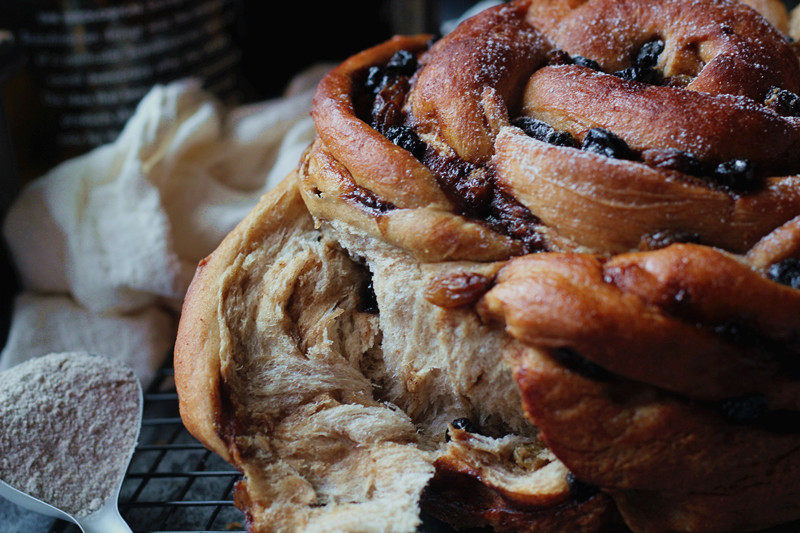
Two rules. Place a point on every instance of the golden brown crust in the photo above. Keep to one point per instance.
(431, 234)
(630, 437)
(630, 199)
(493, 67)
(371, 159)
(654, 317)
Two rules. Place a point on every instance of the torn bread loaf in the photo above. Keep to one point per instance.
(337, 413)
(541, 275)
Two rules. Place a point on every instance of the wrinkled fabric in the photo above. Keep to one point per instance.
(108, 241)
(106, 244)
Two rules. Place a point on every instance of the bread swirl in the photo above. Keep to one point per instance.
(572, 224)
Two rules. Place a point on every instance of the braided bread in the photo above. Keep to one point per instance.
(540, 275)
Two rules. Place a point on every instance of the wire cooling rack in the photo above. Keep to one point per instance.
(173, 483)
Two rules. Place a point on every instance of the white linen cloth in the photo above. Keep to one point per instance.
(107, 242)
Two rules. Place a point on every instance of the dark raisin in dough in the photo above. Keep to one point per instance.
(376, 79)
(543, 131)
(407, 139)
(783, 102)
(786, 272)
(586, 62)
(603, 142)
(736, 174)
(581, 490)
(464, 424)
(367, 300)
(402, 63)
(648, 54)
(640, 74)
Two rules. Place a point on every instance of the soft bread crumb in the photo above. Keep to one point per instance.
(319, 451)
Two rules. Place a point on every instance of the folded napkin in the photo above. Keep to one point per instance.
(46, 324)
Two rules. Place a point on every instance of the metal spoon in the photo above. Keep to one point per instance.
(104, 520)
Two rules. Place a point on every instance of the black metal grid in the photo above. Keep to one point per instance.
(173, 483)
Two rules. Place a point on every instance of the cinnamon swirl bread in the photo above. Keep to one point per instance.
(542, 274)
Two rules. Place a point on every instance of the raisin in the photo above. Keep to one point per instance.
(586, 62)
(580, 365)
(786, 272)
(368, 201)
(784, 102)
(387, 109)
(558, 57)
(457, 289)
(640, 74)
(736, 174)
(402, 63)
(407, 139)
(662, 239)
(376, 79)
(544, 132)
(580, 490)
(475, 191)
(746, 409)
(672, 159)
(648, 54)
(515, 220)
(367, 300)
(464, 424)
(603, 142)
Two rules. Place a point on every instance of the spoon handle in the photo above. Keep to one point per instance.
(106, 520)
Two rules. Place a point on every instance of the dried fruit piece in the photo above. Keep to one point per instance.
(407, 139)
(786, 272)
(640, 74)
(367, 300)
(402, 63)
(464, 424)
(544, 132)
(603, 142)
(387, 109)
(581, 490)
(736, 174)
(783, 102)
(648, 54)
(586, 62)
(457, 289)
(376, 79)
